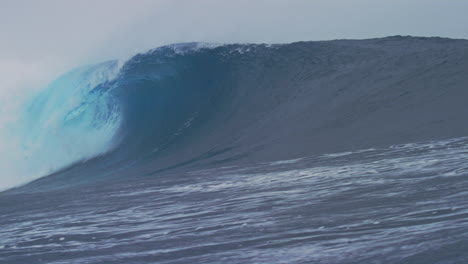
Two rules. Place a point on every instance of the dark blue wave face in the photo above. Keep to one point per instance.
(163, 94)
(190, 106)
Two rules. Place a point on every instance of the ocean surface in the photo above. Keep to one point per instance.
(346, 151)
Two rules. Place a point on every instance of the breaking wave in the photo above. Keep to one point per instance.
(197, 105)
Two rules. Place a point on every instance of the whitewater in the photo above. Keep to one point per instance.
(345, 151)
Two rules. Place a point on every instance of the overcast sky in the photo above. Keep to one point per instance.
(47, 35)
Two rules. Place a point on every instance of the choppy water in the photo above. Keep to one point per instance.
(403, 204)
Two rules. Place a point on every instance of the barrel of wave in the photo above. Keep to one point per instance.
(73, 119)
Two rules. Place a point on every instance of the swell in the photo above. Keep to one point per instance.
(188, 107)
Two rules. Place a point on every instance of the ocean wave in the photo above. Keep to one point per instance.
(197, 105)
